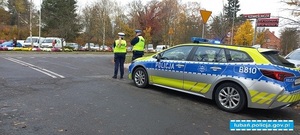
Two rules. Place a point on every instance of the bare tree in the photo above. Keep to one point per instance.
(294, 9)
(289, 40)
(193, 22)
(104, 12)
(136, 14)
(219, 27)
(89, 24)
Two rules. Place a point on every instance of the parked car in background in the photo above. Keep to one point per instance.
(48, 42)
(21, 41)
(150, 48)
(2, 41)
(10, 44)
(294, 57)
(73, 46)
(86, 46)
(159, 48)
(36, 41)
(105, 48)
(96, 47)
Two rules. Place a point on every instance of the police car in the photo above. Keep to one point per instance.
(235, 77)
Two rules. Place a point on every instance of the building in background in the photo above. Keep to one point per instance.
(271, 41)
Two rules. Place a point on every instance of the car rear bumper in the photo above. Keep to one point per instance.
(286, 100)
(264, 100)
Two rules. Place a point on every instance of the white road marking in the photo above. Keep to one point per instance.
(42, 70)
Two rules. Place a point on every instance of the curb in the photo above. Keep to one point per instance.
(126, 65)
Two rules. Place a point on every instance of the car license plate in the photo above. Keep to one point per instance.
(297, 81)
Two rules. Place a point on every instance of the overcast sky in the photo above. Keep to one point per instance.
(247, 7)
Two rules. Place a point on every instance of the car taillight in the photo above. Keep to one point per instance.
(277, 75)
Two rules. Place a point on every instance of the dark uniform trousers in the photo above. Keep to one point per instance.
(119, 59)
(137, 54)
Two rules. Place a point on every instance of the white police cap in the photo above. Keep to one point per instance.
(121, 34)
(138, 31)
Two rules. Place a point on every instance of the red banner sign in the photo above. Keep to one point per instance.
(254, 16)
(267, 22)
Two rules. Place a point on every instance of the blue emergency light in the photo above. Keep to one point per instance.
(214, 41)
(204, 40)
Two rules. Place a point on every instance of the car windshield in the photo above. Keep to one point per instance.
(48, 41)
(91, 44)
(276, 59)
(295, 55)
(70, 44)
(28, 40)
(7, 43)
(150, 45)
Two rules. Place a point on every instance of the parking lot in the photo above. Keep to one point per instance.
(68, 93)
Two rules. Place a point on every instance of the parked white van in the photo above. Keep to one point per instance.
(35, 41)
(150, 48)
(48, 42)
(161, 47)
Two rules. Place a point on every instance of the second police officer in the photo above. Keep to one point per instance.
(138, 44)
(119, 55)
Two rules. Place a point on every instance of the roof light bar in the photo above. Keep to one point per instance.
(204, 40)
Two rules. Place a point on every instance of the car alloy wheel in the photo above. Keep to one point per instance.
(140, 77)
(230, 97)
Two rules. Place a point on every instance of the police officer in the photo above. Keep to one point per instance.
(119, 55)
(138, 44)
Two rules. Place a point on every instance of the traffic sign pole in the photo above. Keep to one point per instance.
(205, 15)
(255, 29)
(203, 27)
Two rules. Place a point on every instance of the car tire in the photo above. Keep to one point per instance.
(140, 77)
(230, 97)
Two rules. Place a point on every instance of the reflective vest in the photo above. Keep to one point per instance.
(120, 48)
(140, 45)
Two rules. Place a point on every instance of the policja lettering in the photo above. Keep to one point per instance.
(162, 65)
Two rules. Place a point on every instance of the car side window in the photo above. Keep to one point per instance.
(177, 53)
(209, 54)
(238, 56)
(58, 41)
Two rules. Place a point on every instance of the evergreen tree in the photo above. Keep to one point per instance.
(231, 8)
(59, 18)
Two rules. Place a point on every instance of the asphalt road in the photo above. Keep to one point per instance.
(74, 94)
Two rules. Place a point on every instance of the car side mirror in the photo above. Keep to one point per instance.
(158, 57)
(287, 57)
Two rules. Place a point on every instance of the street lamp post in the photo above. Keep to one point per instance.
(30, 18)
(18, 21)
(233, 18)
(40, 22)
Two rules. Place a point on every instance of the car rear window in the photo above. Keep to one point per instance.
(276, 59)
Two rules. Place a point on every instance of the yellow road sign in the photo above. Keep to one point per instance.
(171, 31)
(205, 15)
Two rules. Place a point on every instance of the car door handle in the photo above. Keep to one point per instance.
(215, 68)
(179, 65)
